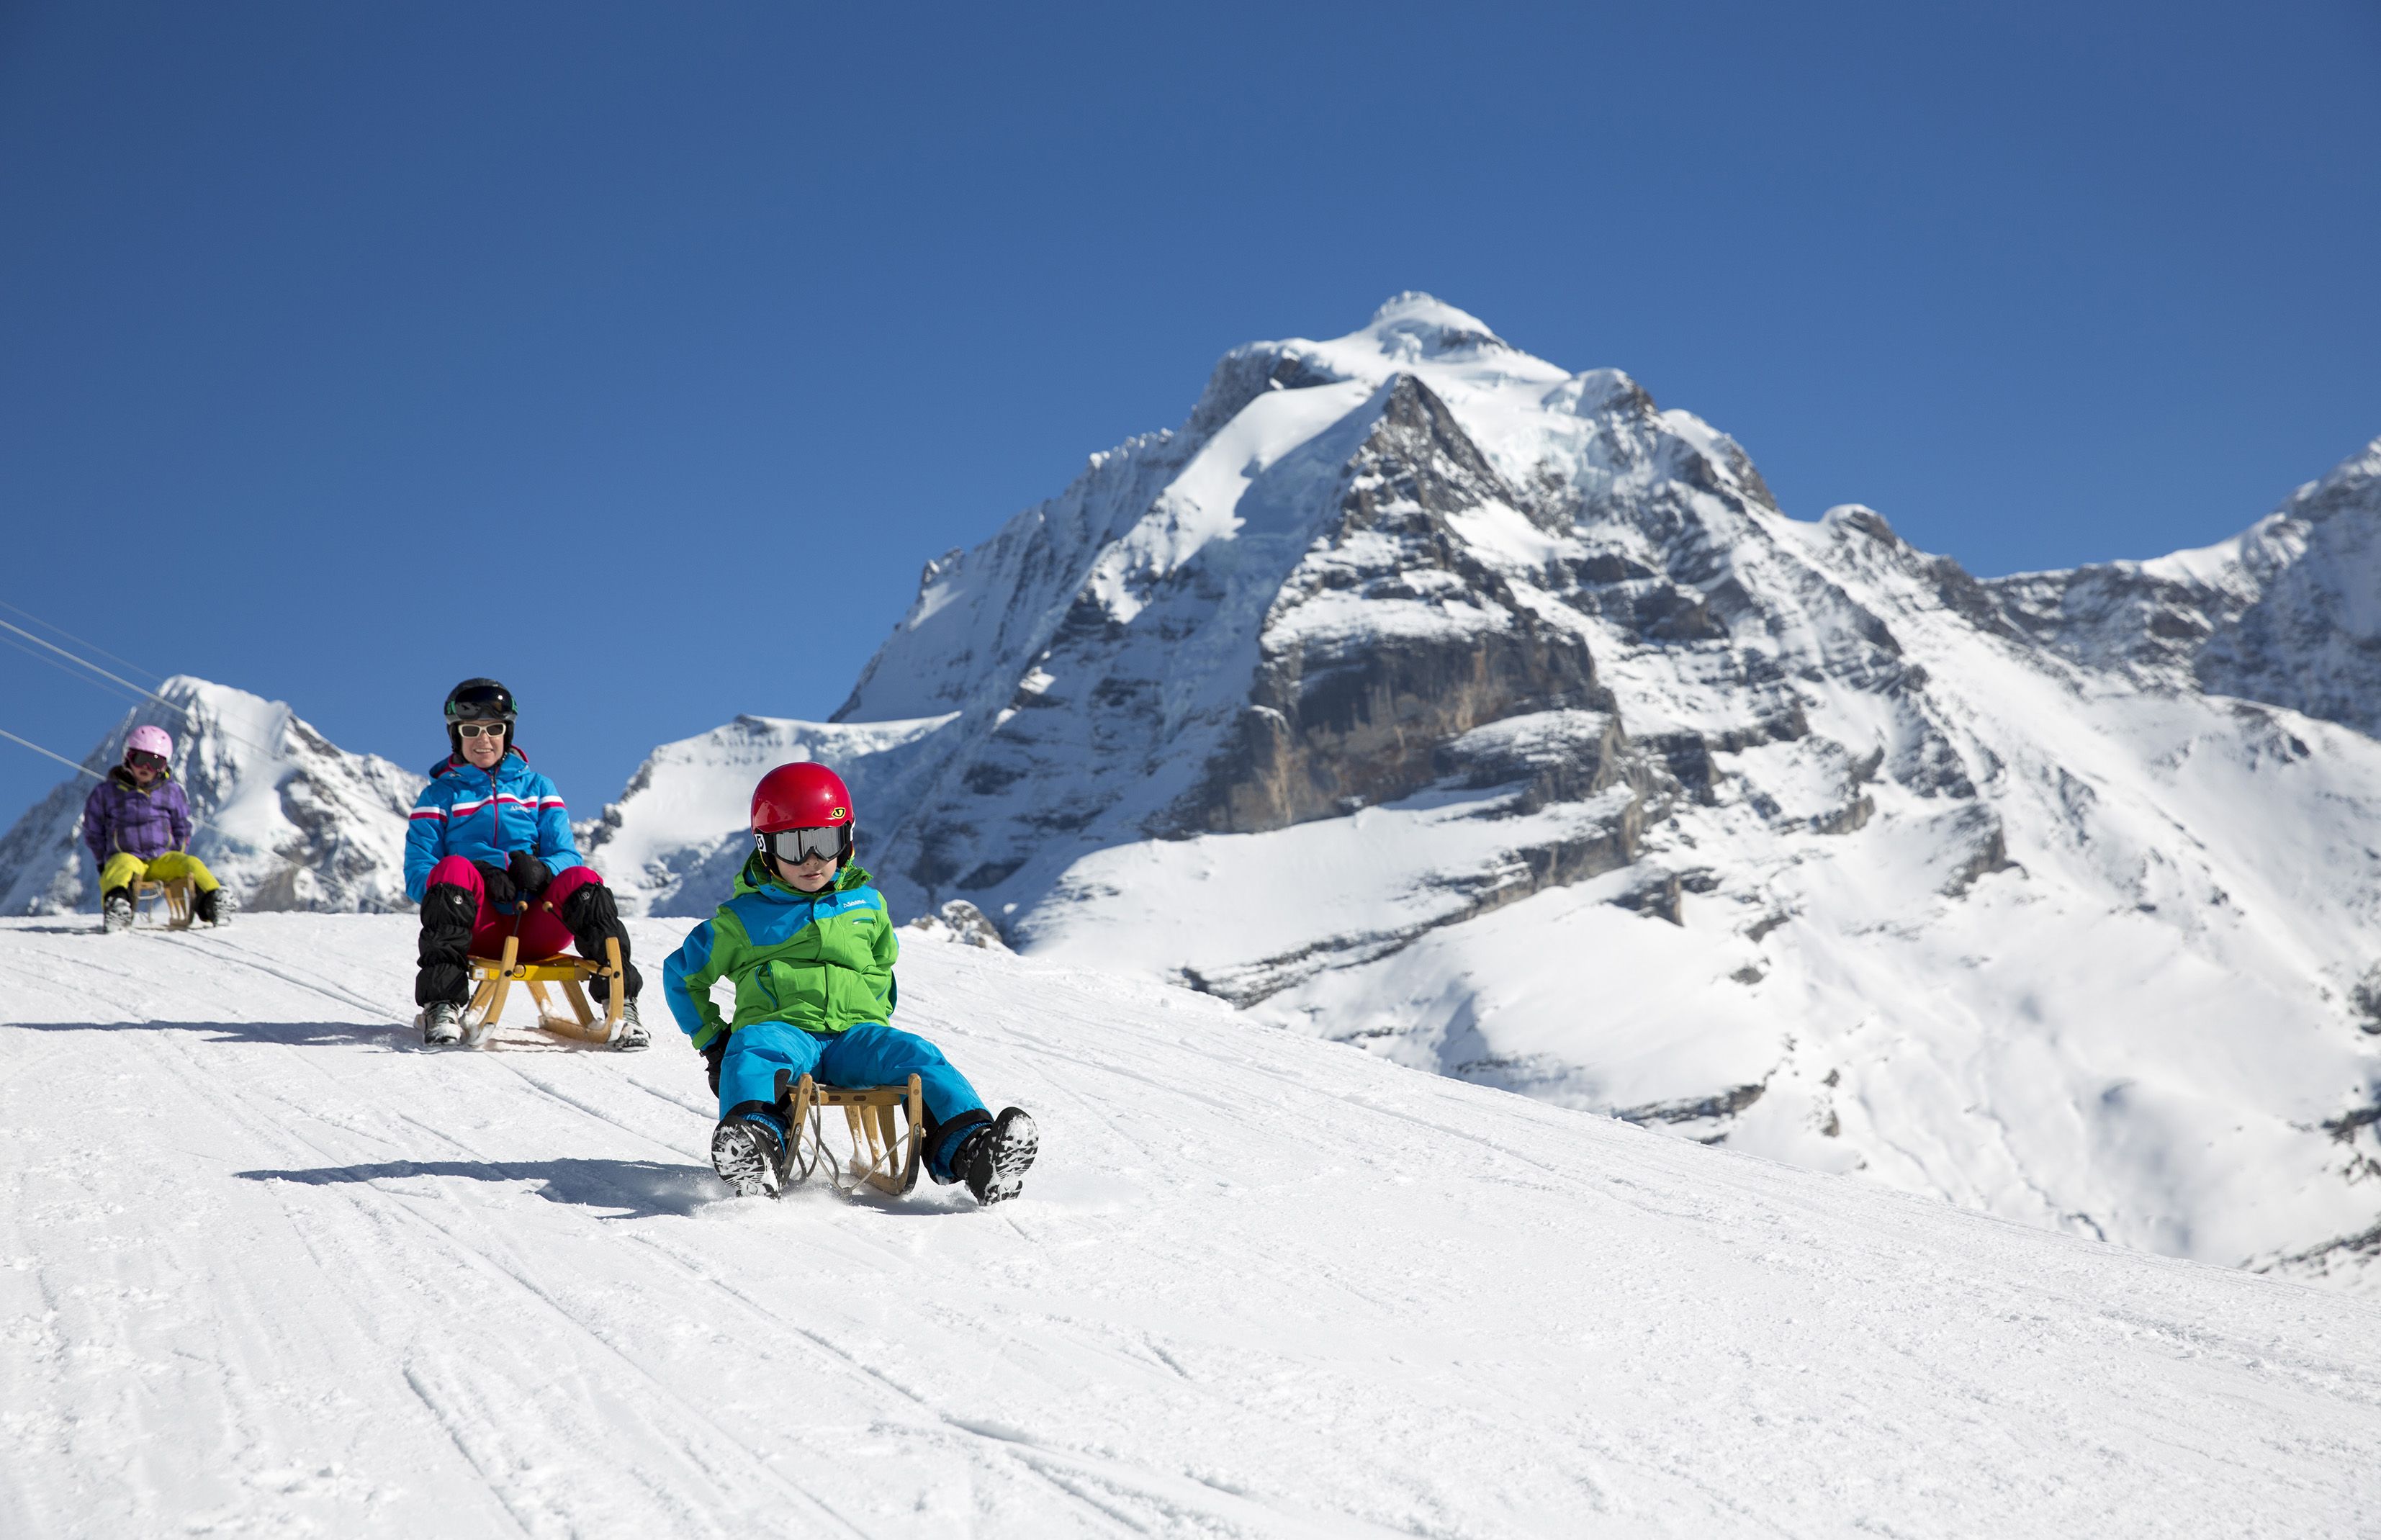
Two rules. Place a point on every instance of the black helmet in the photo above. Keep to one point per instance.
(477, 701)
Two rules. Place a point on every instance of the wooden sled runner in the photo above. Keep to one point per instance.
(176, 894)
(495, 977)
(884, 1155)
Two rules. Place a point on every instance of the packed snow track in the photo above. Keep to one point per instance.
(269, 1267)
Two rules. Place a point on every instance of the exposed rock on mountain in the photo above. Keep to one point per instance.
(286, 819)
(2288, 612)
(1390, 642)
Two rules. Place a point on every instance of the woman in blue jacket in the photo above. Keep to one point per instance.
(489, 839)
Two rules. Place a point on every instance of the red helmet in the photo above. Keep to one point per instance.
(804, 796)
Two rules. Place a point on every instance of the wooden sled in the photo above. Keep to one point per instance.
(882, 1154)
(495, 976)
(176, 891)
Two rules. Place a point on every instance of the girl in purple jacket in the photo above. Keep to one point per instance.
(138, 824)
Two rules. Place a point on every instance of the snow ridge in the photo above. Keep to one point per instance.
(2289, 612)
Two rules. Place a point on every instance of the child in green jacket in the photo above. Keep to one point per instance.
(810, 948)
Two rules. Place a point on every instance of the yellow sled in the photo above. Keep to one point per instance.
(495, 977)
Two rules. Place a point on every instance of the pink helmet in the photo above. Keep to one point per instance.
(151, 740)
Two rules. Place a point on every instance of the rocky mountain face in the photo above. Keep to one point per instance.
(2288, 612)
(286, 819)
(1422, 694)
(1333, 591)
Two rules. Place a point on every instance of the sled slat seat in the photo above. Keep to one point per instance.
(884, 1154)
(176, 891)
(495, 977)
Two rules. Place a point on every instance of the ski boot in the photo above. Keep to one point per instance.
(749, 1153)
(632, 1035)
(115, 911)
(216, 906)
(442, 1024)
(995, 1159)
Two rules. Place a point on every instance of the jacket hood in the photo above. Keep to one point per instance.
(756, 879)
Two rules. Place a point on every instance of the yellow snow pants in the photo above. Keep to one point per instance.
(123, 870)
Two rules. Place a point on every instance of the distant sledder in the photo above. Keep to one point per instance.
(810, 948)
(138, 824)
(490, 857)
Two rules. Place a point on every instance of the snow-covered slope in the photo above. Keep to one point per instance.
(287, 819)
(268, 1267)
(1420, 695)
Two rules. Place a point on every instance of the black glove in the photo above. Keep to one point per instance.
(712, 1056)
(529, 873)
(496, 881)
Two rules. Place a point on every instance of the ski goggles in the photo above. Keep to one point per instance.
(795, 845)
(142, 758)
(473, 729)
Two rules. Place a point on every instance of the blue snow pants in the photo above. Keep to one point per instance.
(870, 1053)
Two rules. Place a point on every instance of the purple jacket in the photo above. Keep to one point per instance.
(121, 816)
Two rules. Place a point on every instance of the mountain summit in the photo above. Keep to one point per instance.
(1422, 694)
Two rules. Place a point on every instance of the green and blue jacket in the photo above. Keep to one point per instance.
(821, 961)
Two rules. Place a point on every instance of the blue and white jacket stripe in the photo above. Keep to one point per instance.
(485, 815)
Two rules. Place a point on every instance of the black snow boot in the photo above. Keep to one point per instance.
(995, 1157)
(445, 954)
(441, 1024)
(632, 1035)
(748, 1150)
(216, 906)
(115, 909)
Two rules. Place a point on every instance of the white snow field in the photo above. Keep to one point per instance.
(269, 1267)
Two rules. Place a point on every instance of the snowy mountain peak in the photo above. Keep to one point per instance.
(2351, 483)
(1859, 518)
(1415, 324)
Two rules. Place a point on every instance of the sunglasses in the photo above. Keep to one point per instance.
(795, 845)
(145, 760)
(473, 729)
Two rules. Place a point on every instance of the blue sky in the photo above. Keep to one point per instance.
(640, 355)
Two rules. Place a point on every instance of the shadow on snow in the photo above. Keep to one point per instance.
(626, 1188)
(287, 1033)
(399, 1036)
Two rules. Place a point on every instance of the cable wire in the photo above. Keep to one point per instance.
(188, 717)
(79, 642)
(95, 667)
(69, 672)
(60, 758)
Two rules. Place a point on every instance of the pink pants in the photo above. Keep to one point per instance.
(542, 934)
